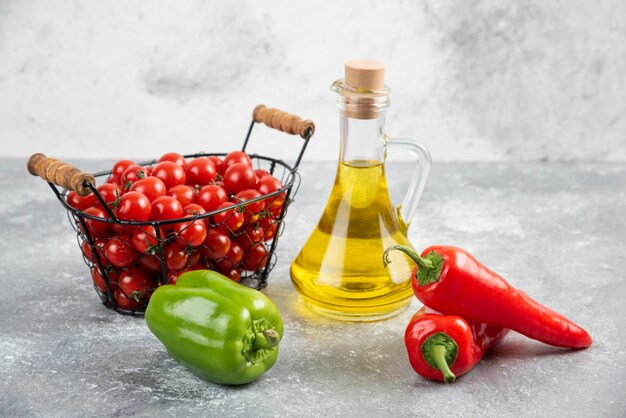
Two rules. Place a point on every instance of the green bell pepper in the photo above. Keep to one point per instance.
(222, 331)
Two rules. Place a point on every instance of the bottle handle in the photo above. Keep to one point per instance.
(408, 206)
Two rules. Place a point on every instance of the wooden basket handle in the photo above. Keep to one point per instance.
(60, 173)
(283, 121)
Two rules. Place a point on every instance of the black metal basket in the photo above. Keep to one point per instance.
(107, 280)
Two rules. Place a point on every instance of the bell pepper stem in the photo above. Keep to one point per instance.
(438, 353)
(429, 266)
(268, 338)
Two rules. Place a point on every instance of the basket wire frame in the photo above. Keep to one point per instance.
(93, 251)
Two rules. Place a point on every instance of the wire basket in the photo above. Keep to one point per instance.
(128, 289)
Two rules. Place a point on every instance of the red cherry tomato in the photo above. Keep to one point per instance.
(255, 257)
(144, 239)
(211, 197)
(110, 194)
(80, 202)
(134, 287)
(119, 168)
(236, 157)
(120, 253)
(261, 173)
(186, 195)
(216, 244)
(250, 236)
(132, 174)
(218, 162)
(134, 206)
(201, 171)
(268, 185)
(88, 253)
(191, 233)
(175, 158)
(150, 263)
(99, 280)
(239, 177)
(165, 208)
(170, 173)
(98, 229)
(194, 209)
(234, 275)
(151, 187)
(270, 226)
(232, 258)
(250, 194)
(228, 220)
(176, 256)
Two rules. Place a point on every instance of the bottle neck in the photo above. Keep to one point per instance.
(362, 140)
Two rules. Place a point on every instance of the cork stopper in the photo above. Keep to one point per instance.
(365, 74)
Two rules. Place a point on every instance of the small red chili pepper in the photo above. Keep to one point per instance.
(442, 347)
(452, 281)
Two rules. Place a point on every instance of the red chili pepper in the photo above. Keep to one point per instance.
(452, 281)
(442, 347)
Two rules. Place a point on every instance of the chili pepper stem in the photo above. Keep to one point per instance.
(429, 266)
(268, 338)
(439, 353)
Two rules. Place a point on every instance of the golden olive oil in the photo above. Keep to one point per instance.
(339, 271)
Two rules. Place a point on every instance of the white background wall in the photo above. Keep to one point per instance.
(487, 80)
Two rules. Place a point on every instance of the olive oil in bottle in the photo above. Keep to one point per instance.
(339, 272)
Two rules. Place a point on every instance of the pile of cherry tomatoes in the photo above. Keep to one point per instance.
(231, 241)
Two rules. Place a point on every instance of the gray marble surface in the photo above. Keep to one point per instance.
(556, 230)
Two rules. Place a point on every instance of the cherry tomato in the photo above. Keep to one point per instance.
(186, 195)
(150, 263)
(119, 168)
(110, 194)
(175, 158)
(134, 286)
(261, 173)
(239, 177)
(134, 206)
(236, 157)
(120, 253)
(268, 185)
(229, 220)
(176, 256)
(234, 275)
(255, 257)
(232, 258)
(216, 245)
(194, 209)
(173, 276)
(99, 280)
(151, 187)
(88, 253)
(218, 162)
(201, 171)
(252, 235)
(170, 173)
(165, 208)
(121, 229)
(211, 197)
(250, 194)
(144, 239)
(80, 202)
(132, 174)
(270, 226)
(191, 233)
(98, 229)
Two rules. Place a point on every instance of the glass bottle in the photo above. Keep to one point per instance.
(339, 272)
